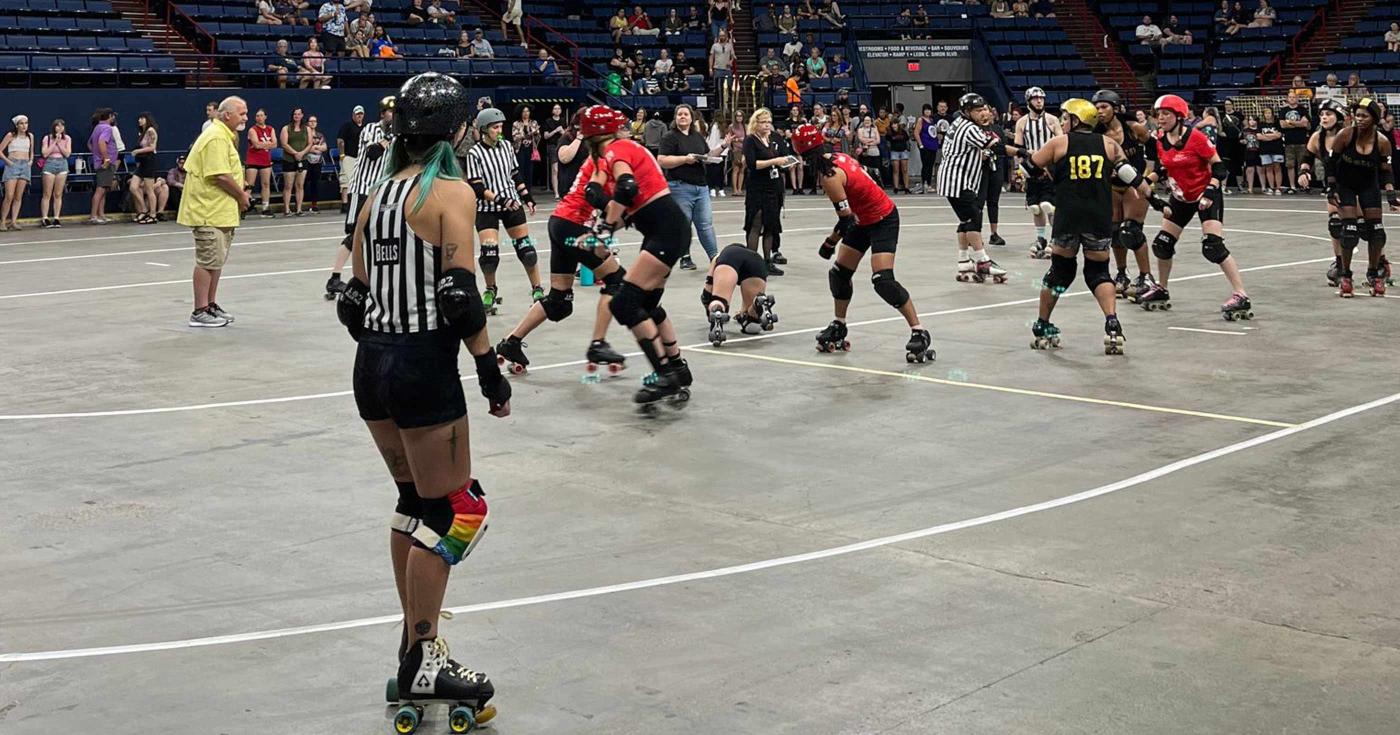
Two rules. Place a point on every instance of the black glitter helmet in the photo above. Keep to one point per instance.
(431, 104)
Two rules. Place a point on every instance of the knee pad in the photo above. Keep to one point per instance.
(525, 251)
(628, 306)
(1351, 234)
(558, 305)
(348, 243)
(452, 525)
(889, 289)
(490, 256)
(1129, 235)
(1035, 209)
(1334, 226)
(1060, 275)
(839, 277)
(1377, 237)
(1164, 246)
(408, 510)
(1095, 273)
(612, 283)
(658, 315)
(1214, 250)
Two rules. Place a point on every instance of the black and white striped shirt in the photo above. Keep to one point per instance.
(496, 166)
(366, 171)
(965, 158)
(403, 267)
(1036, 133)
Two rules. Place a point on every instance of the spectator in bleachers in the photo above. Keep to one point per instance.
(314, 160)
(103, 146)
(628, 81)
(640, 23)
(1002, 9)
(267, 14)
(1020, 9)
(904, 22)
(257, 161)
(693, 21)
(313, 66)
(360, 33)
(618, 62)
(356, 6)
(57, 147)
(1356, 89)
(526, 136)
(441, 16)
(921, 22)
(840, 68)
(17, 151)
(816, 65)
(347, 141)
(143, 181)
(618, 25)
(767, 21)
(683, 66)
(1239, 18)
(792, 48)
(1296, 122)
(831, 13)
(416, 14)
(1300, 88)
(175, 182)
(1271, 152)
(545, 65)
(638, 63)
(296, 143)
(806, 11)
(652, 132)
(333, 22)
(1264, 15)
(1174, 33)
(481, 48)
(514, 15)
(720, 16)
(787, 22)
(663, 64)
(1224, 17)
(283, 64)
(1039, 8)
(1392, 38)
(675, 25)
(290, 11)
(772, 69)
(1148, 33)
(721, 57)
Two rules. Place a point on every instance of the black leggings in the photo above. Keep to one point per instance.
(926, 165)
(994, 184)
(312, 188)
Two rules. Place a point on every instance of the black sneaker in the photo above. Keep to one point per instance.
(687, 264)
(267, 213)
(997, 241)
(773, 269)
(778, 258)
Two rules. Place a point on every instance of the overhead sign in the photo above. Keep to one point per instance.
(947, 61)
(950, 49)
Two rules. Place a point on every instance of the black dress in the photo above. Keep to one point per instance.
(763, 190)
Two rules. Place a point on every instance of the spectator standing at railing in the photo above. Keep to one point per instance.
(652, 133)
(357, 38)
(513, 15)
(56, 149)
(333, 21)
(1264, 16)
(258, 159)
(347, 141)
(17, 151)
(1271, 152)
(552, 129)
(1392, 38)
(1296, 122)
(211, 113)
(296, 143)
(103, 146)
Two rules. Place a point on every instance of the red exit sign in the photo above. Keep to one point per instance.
(912, 66)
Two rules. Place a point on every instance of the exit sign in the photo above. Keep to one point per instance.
(912, 66)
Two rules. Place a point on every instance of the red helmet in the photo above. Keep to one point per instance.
(806, 138)
(600, 120)
(1172, 104)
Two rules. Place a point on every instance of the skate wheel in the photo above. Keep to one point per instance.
(500, 360)
(682, 396)
(716, 342)
(615, 367)
(391, 690)
(406, 720)
(931, 355)
(517, 369)
(461, 719)
(845, 346)
(910, 357)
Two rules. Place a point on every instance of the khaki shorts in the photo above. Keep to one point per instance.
(1293, 155)
(347, 171)
(211, 246)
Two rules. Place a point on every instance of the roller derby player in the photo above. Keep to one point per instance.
(1129, 206)
(866, 220)
(1084, 165)
(1195, 173)
(1033, 131)
(571, 243)
(1357, 171)
(407, 388)
(737, 266)
(963, 176)
(502, 200)
(374, 142)
(640, 197)
(1332, 116)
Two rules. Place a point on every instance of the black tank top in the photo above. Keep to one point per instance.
(1360, 171)
(1132, 147)
(1083, 188)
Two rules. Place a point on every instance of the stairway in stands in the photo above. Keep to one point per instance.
(1100, 51)
(1338, 24)
(745, 40)
(169, 41)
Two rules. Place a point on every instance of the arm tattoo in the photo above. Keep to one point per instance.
(449, 250)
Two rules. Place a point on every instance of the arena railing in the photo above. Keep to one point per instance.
(1316, 26)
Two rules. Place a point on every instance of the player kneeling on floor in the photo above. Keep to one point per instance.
(737, 266)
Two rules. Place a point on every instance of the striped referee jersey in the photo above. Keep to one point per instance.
(403, 267)
(498, 170)
(965, 158)
(1036, 133)
(368, 171)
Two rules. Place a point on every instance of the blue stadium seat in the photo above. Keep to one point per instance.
(132, 63)
(103, 63)
(14, 63)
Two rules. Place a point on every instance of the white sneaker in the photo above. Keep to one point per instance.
(219, 312)
(204, 318)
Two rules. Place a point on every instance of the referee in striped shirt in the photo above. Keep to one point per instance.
(963, 175)
(502, 200)
(374, 142)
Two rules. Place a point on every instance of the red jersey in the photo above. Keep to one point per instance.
(1187, 165)
(868, 201)
(574, 207)
(645, 169)
(261, 156)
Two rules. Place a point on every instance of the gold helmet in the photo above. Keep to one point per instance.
(1081, 109)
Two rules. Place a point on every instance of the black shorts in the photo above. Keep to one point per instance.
(292, 165)
(146, 167)
(564, 255)
(877, 237)
(331, 44)
(1182, 213)
(665, 229)
(352, 212)
(1368, 198)
(1039, 189)
(409, 378)
(744, 262)
(1073, 241)
(500, 220)
(257, 166)
(968, 208)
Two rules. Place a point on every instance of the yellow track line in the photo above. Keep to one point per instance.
(997, 388)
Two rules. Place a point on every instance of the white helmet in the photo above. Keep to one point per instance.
(1034, 92)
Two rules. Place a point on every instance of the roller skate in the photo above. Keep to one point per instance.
(1141, 285)
(427, 675)
(334, 286)
(600, 356)
(996, 240)
(1155, 298)
(917, 348)
(833, 338)
(1238, 307)
(1384, 267)
(1345, 288)
(490, 301)
(509, 352)
(763, 304)
(1334, 273)
(779, 258)
(1044, 335)
(1112, 335)
(1376, 280)
(1041, 249)
(966, 271)
(718, 318)
(1121, 284)
(662, 386)
(536, 294)
(989, 270)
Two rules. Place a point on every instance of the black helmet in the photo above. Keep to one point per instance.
(431, 104)
(971, 100)
(1335, 105)
(1109, 96)
(1371, 106)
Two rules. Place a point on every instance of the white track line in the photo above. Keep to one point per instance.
(183, 248)
(162, 232)
(728, 571)
(1208, 331)
(736, 340)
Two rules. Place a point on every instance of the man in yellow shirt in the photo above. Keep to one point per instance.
(211, 204)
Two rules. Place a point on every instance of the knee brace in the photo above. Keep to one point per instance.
(1334, 226)
(525, 251)
(1214, 250)
(629, 305)
(1164, 246)
(839, 278)
(1351, 234)
(1129, 235)
(452, 525)
(1377, 234)
(889, 289)
(558, 305)
(408, 510)
(1095, 273)
(612, 283)
(1035, 209)
(1060, 275)
(490, 257)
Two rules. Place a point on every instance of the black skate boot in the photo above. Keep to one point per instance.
(680, 372)
(658, 387)
(687, 264)
(763, 306)
(774, 270)
(833, 338)
(917, 348)
(508, 351)
(1141, 285)
(1334, 273)
(602, 355)
(1155, 299)
(1112, 335)
(1121, 283)
(428, 675)
(718, 318)
(1044, 335)
(1041, 249)
(1237, 307)
(334, 286)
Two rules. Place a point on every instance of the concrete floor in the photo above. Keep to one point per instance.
(164, 487)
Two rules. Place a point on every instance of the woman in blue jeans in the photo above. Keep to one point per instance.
(683, 153)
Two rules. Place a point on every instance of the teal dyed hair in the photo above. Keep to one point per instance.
(439, 162)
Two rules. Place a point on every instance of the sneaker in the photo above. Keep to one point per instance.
(779, 258)
(774, 270)
(203, 318)
(267, 213)
(997, 241)
(220, 313)
(687, 264)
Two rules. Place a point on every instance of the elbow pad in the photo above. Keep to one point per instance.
(350, 307)
(626, 191)
(1308, 160)
(478, 187)
(461, 302)
(594, 195)
(1128, 175)
(1219, 171)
